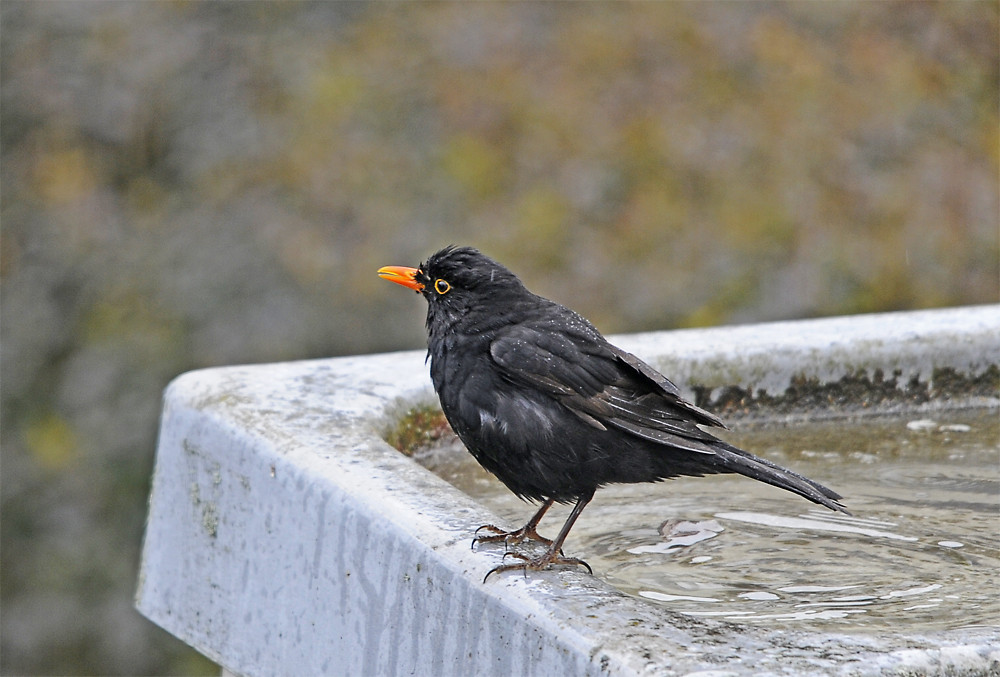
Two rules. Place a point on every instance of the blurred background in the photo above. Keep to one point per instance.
(190, 184)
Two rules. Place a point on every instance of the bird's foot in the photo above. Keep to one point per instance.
(536, 563)
(525, 533)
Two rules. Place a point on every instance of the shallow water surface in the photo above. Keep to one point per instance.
(921, 551)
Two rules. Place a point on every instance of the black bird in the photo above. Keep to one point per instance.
(545, 403)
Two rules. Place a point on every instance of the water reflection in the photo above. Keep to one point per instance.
(681, 533)
(819, 522)
(804, 607)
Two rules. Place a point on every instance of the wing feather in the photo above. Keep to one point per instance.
(603, 385)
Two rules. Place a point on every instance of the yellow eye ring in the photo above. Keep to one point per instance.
(441, 286)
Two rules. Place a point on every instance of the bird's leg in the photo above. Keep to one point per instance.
(526, 533)
(554, 554)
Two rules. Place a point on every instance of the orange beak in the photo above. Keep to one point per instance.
(401, 275)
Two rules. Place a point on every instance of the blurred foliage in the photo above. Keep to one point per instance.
(192, 184)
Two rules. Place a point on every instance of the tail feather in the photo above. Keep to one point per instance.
(734, 459)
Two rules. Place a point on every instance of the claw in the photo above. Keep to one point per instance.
(518, 555)
(554, 553)
(536, 564)
(525, 533)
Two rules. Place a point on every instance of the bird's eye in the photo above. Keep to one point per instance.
(441, 286)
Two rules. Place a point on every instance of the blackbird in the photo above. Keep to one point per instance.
(545, 403)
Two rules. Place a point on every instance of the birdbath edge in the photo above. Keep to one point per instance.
(285, 536)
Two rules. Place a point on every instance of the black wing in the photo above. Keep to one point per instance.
(610, 388)
(602, 384)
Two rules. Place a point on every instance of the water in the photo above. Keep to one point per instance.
(921, 551)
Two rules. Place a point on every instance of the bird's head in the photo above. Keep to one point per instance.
(456, 280)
